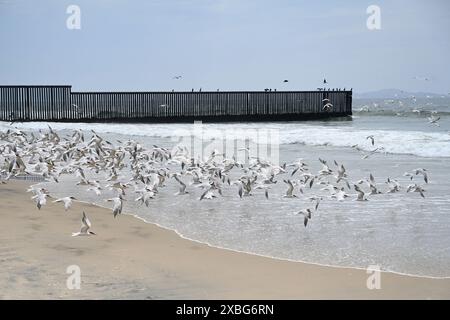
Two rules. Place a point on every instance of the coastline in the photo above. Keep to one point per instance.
(131, 259)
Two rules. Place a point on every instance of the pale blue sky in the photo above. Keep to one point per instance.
(227, 44)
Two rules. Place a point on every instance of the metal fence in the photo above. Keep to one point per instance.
(59, 103)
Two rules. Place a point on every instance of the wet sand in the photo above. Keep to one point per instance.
(131, 259)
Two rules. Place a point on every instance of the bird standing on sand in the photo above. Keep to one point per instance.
(85, 226)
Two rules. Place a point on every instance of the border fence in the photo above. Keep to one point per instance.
(59, 103)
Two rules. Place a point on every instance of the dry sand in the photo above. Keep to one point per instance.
(131, 259)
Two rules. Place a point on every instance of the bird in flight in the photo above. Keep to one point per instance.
(325, 81)
(85, 226)
(285, 80)
(177, 77)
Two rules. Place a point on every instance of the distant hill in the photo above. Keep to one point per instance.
(394, 93)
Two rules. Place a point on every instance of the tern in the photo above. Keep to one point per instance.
(372, 139)
(67, 202)
(416, 188)
(182, 187)
(40, 198)
(306, 214)
(361, 193)
(290, 190)
(85, 226)
(118, 205)
(434, 120)
(423, 173)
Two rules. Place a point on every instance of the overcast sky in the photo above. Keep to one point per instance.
(226, 44)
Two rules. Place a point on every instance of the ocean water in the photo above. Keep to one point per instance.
(400, 232)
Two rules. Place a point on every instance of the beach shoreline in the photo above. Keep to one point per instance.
(132, 259)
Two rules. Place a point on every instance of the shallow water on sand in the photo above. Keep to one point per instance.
(400, 232)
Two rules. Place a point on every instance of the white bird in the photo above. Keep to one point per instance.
(290, 190)
(361, 194)
(372, 139)
(208, 194)
(67, 202)
(182, 187)
(145, 197)
(118, 205)
(40, 198)
(328, 106)
(416, 188)
(423, 173)
(306, 214)
(97, 190)
(317, 200)
(340, 195)
(85, 226)
(432, 119)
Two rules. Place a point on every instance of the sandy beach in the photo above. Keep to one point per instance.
(131, 259)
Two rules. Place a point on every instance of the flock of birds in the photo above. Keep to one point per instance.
(431, 115)
(128, 167)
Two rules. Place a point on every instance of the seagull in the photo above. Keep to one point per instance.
(360, 193)
(67, 202)
(97, 190)
(423, 173)
(85, 226)
(145, 197)
(421, 78)
(393, 185)
(372, 139)
(177, 77)
(434, 120)
(325, 81)
(208, 194)
(118, 205)
(328, 106)
(306, 214)
(340, 195)
(416, 188)
(341, 173)
(285, 80)
(182, 187)
(371, 152)
(40, 198)
(317, 200)
(290, 190)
